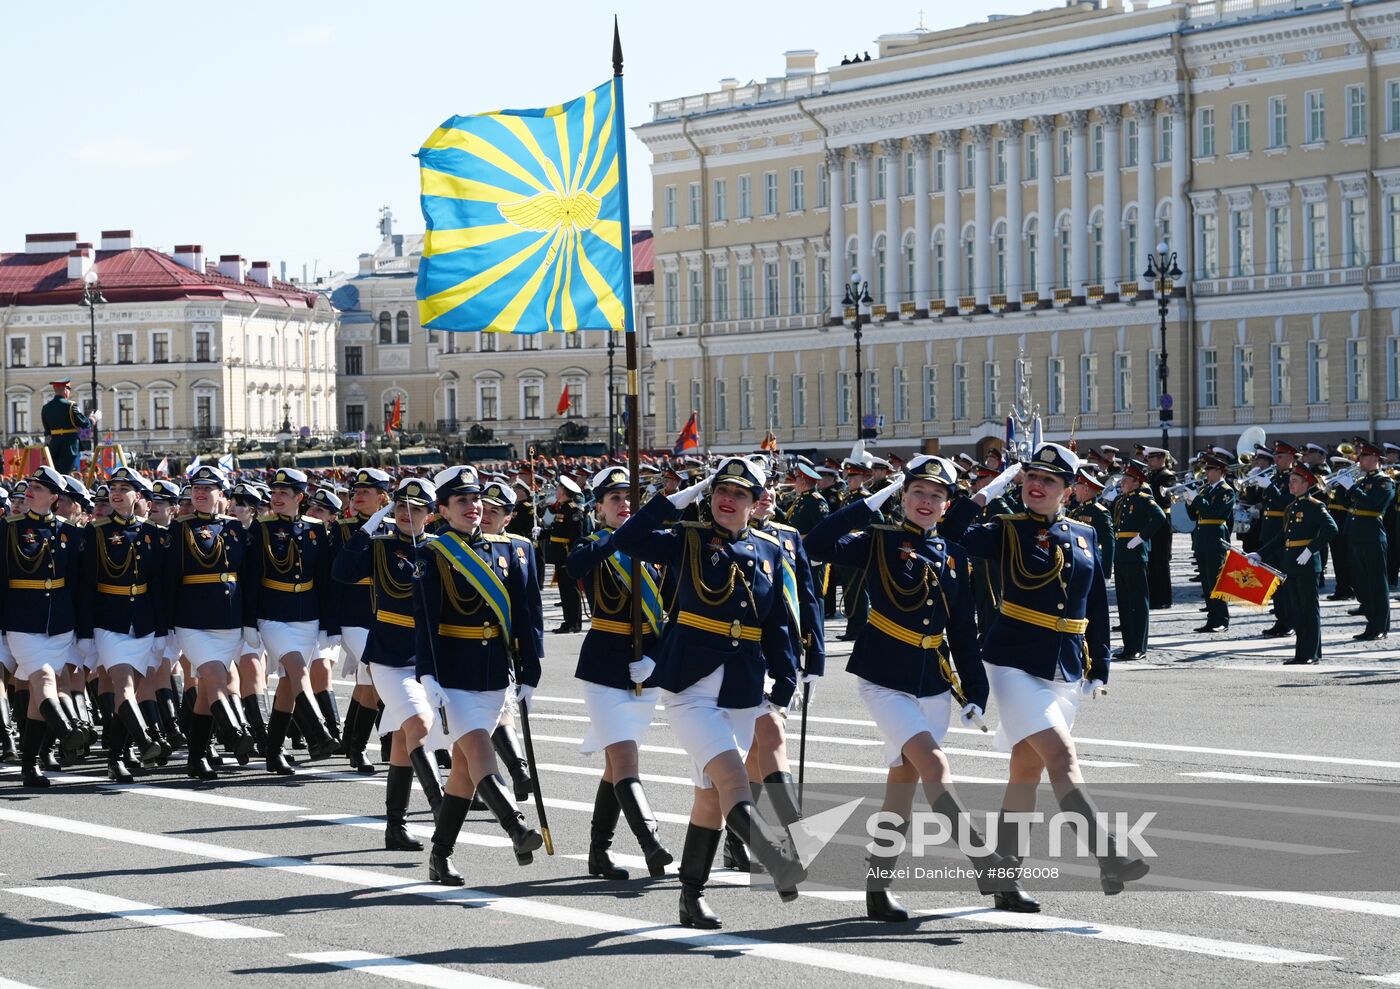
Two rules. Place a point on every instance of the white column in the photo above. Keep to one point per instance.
(923, 228)
(864, 224)
(982, 213)
(1146, 113)
(894, 247)
(1045, 205)
(1078, 202)
(1181, 215)
(836, 263)
(1011, 132)
(1112, 120)
(951, 141)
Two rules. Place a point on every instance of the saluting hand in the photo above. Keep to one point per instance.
(687, 496)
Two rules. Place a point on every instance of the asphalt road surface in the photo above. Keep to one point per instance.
(263, 881)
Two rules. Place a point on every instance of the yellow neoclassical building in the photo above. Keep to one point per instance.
(999, 187)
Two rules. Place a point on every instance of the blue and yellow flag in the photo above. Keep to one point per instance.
(527, 220)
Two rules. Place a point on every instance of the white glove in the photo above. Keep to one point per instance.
(523, 693)
(86, 647)
(1135, 542)
(1254, 558)
(878, 499)
(775, 708)
(642, 669)
(1109, 497)
(806, 682)
(997, 485)
(548, 517)
(1262, 482)
(1304, 557)
(437, 697)
(1346, 481)
(972, 715)
(1092, 689)
(251, 639)
(95, 415)
(377, 519)
(1190, 496)
(535, 533)
(687, 496)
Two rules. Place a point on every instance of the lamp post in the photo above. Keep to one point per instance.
(1162, 271)
(857, 295)
(92, 298)
(612, 402)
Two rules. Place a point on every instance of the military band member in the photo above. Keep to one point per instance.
(1392, 521)
(563, 526)
(1136, 518)
(62, 422)
(1277, 498)
(1049, 651)
(1213, 509)
(1338, 498)
(385, 552)
(921, 629)
(472, 614)
(618, 717)
(1367, 501)
(1307, 527)
(1160, 477)
(728, 626)
(40, 566)
(1088, 509)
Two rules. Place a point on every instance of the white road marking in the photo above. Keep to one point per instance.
(188, 796)
(1385, 980)
(1236, 950)
(596, 772)
(1319, 900)
(402, 970)
(1253, 778)
(1232, 841)
(143, 913)
(11, 984)
(791, 954)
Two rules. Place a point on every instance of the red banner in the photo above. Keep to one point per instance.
(1243, 582)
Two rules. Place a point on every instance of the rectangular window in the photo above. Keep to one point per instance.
(1317, 117)
(1279, 391)
(901, 395)
(1165, 134)
(1032, 169)
(1055, 385)
(87, 349)
(1130, 142)
(1358, 385)
(487, 343)
(930, 397)
(1280, 242)
(354, 360)
(850, 181)
(746, 291)
(1205, 132)
(160, 410)
(1239, 127)
(1392, 369)
(1242, 242)
(843, 398)
(1064, 138)
(773, 399)
(1209, 380)
(670, 290)
(969, 175)
(1356, 111)
(722, 292)
(959, 391)
(1392, 226)
(696, 301)
(991, 389)
(355, 418)
(202, 346)
(745, 197)
(126, 348)
(882, 176)
(669, 206)
(939, 169)
(531, 397)
(1207, 246)
(672, 408)
(797, 287)
(1315, 229)
(1088, 383)
(799, 400)
(720, 208)
(1318, 385)
(1096, 148)
(695, 391)
(1356, 232)
(126, 411)
(160, 348)
(488, 400)
(823, 285)
(908, 159)
(53, 351)
(771, 300)
(1278, 122)
(823, 186)
(770, 193)
(797, 191)
(693, 217)
(19, 352)
(1244, 376)
(721, 411)
(574, 341)
(999, 162)
(1392, 106)
(530, 341)
(1122, 382)
(745, 403)
(872, 392)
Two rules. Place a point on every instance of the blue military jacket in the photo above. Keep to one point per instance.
(460, 638)
(349, 604)
(920, 603)
(607, 648)
(387, 560)
(286, 572)
(203, 556)
(528, 557)
(811, 624)
(1054, 606)
(119, 589)
(729, 611)
(41, 554)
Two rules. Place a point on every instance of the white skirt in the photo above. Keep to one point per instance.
(210, 645)
(401, 693)
(616, 715)
(116, 649)
(1027, 704)
(471, 710)
(705, 729)
(284, 638)
(35, 651)
(352, 641)
(900, 716)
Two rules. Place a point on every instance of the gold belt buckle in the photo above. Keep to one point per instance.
(489, 631)
(735, 629)
(225, 577)
(48, 583)
(929, 642)
(1062, 624)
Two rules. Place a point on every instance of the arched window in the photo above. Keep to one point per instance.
(386, 328)
(401, 326)
(1164, 223)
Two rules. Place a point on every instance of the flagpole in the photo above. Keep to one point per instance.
(634, 467)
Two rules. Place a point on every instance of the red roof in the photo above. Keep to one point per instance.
(136, 275)
(643, 257)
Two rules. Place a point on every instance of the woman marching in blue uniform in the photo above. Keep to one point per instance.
(728, 626)
(388, 559)
(1048, 646)
(473, 613)
(617, 717)
(922, 614)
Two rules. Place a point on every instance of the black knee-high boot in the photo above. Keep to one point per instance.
(512, 757)
(68, 737)
(319, 744)
(359, 722)
(642, 822)
(1114, 868)
(117, 740)
(277, 723)
(735, 855)
(966, 834)
(1013, 898)
(234, 737)
(330, 712)
(697, 856)
(197, 765)
(449, 824)
(187, 708)
(257, 722)
(396, 795)
(150, 713)
(769, 845)
(880, 903)
(352, 711)
(524, 839)
(170, 717)
(427, 772)
(31, 747)
(106, 707)
(606, 811)
(136, 734)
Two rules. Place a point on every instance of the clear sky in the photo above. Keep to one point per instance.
(278, 130)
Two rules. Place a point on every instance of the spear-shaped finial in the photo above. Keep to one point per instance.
(617, 49)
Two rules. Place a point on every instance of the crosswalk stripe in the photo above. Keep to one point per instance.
(1385, 980)
(1134, 935)
(1319, 900)
(12, 984)
(801, 954)
(188, 796)
(143, 913)
(402, 970)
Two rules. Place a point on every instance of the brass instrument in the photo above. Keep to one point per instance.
(1355, 473)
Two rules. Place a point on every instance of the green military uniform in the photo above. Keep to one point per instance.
(1096, 514)
(62, 419)
(1212, 511)
(1135, 516)
(1276, 502)
(1368, 500)
(1307, 528)
(1338, 499)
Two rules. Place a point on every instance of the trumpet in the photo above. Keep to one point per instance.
(1354, 473)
